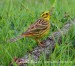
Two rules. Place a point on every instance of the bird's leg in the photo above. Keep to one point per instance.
(40, 44)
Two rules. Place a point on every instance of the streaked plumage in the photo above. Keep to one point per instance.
(37, 30)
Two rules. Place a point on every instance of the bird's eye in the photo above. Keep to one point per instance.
(46, 13)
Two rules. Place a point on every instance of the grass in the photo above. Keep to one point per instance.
(17, 15)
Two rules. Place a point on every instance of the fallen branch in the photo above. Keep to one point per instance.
(34, 55)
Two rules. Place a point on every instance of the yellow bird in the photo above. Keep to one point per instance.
(38, 29)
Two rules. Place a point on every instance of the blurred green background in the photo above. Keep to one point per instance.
(17, 15)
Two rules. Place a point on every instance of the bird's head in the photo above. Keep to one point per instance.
(46, 15)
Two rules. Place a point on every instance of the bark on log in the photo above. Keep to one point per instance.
(34, 55)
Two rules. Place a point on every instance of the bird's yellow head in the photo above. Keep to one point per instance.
(46, 15)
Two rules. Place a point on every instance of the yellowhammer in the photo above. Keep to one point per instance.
(37, 30)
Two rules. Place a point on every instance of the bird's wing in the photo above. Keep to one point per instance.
(37, 28)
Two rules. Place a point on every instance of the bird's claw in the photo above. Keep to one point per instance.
(41, 45)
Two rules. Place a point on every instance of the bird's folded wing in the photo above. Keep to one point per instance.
(37, 28)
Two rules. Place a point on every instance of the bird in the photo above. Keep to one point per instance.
(37, 30)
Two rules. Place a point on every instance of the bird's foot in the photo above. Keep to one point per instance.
(41, 44)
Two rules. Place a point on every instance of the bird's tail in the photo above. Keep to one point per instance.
(15, 39)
